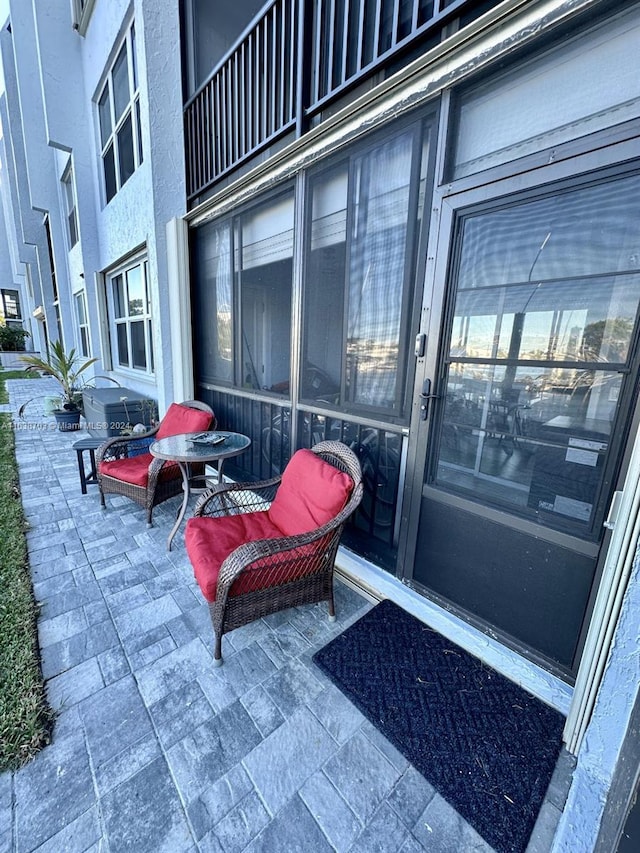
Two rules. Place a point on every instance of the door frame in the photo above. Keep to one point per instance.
(578, 161)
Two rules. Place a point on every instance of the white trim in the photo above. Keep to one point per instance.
(178, 286)
(606, 612)
(377, 584)
(100, 283)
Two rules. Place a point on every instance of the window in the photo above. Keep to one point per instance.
(84, 343)
(359, 260)
(82, 10)
(54, 277)
(52, 265)
(130, 317)
(242, 316)
(11, 305)
(70, 206)
(119, 119)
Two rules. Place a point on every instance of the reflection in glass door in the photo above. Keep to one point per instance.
(536, 386)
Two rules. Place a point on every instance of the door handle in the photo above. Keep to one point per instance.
(425, 396)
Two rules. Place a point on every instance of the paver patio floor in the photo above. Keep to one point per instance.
(154, 749)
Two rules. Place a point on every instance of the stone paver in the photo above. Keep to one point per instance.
(154, 749)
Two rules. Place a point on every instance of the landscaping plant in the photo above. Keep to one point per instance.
(66, 368)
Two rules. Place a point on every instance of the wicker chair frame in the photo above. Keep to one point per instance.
(308, 557)
(157, 490)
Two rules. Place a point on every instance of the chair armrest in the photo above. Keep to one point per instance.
(234, 498)
(116, 447)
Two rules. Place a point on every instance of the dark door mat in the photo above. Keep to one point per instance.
(487, 746)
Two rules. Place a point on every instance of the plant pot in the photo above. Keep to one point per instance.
(67, 420)
(51, 404)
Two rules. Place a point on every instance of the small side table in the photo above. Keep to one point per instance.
(91, 444)
(183, 450)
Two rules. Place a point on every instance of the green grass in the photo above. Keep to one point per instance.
(25, 717)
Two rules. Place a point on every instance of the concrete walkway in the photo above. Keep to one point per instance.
(154, 749)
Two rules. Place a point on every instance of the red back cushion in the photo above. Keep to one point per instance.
(180, 419)
(311, 493)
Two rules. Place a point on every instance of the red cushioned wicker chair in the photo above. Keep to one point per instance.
(125, 467)
(257, 548)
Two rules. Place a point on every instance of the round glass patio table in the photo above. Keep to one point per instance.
(186, 451)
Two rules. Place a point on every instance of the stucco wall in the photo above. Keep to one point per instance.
(60, 74)
(155, 193)
(26, 225)
(602, 748)
(6, 271)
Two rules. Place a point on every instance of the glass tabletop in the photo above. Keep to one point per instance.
(185, 447)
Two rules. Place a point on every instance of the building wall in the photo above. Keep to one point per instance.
(43, 186)
(52, 91)
(596, 807)
(12, 271)
(69, 133)
(25, 224)
(8, 281)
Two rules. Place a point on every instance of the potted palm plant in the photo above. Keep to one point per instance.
(66, 368)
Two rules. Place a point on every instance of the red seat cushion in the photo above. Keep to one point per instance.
(180, 419)
(135, 469)
(209, 541)
(311, 493)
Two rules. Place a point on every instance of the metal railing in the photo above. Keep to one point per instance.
(372, 531)
(248, 101)
(297, 57)
(353, 37)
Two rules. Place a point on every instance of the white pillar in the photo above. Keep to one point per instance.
(180, 309)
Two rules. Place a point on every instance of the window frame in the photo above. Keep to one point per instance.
(235, 222)
(81, 11)
(4, 294)
(83, 328)
(421, 128)
(70, 203)
(54, 276)
(125, 322)
(110, 144)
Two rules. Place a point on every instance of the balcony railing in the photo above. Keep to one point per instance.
(297, 57)
(249, 100)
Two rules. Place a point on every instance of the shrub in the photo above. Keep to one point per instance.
(12, 339)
